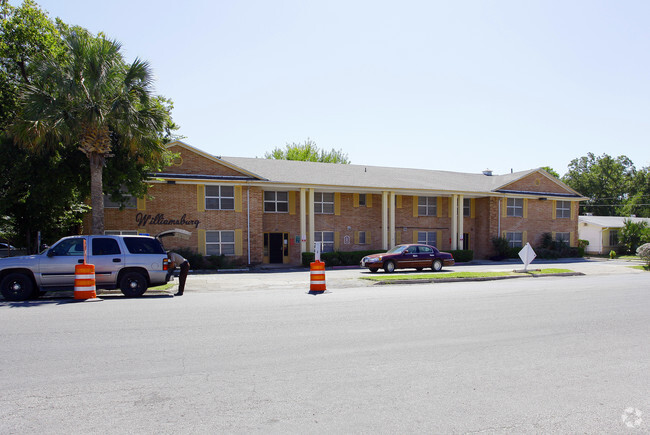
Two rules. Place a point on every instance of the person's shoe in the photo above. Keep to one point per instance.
(178, 294)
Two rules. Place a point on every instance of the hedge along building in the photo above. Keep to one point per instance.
(270, 211)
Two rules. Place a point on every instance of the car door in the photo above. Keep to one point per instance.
(427, 255)
(409, 258)
(57, 267)
(108, 258)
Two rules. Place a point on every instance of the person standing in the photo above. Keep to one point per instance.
(179, 261)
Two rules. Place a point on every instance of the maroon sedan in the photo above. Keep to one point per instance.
(408, 257)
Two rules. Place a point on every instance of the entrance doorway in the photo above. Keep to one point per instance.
(276, 248)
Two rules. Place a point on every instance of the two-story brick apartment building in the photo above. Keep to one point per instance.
(270, 211)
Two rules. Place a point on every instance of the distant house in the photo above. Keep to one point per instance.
(602, 232)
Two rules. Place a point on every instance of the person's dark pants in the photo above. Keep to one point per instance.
(185, 267)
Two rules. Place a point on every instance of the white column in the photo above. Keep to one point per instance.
(384, 220)
(391, 220)
(311, 220)
(461, 218)
(303, 220)
(454, 222)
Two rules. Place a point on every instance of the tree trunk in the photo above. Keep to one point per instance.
(96, 188)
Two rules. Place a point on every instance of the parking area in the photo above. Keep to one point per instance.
(350, 277)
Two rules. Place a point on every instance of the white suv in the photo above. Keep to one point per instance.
(130, 263)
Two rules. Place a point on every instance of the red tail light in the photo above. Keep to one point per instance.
(166, 264)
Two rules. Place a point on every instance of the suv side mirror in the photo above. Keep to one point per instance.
(50, 253)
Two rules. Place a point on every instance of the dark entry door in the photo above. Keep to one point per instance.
(276, 248)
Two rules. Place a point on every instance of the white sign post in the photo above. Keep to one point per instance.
(317, 251)
(527, 255)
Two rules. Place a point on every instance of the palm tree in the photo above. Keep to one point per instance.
(92, 100)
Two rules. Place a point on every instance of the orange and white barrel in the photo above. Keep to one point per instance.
(84, 281)
(317, 282)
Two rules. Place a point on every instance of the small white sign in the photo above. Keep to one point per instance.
(303, 238)
(317, 251)
(527, 255)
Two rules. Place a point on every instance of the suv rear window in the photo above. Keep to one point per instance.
(143, 245)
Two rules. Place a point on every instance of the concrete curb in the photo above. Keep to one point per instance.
(486, 278)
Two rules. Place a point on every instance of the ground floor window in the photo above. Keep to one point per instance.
(121, 233)
(220, 242)
(362, 237)
(564, 238)
(428, 237)
(613, 237)
(515, 239)
(327, 240)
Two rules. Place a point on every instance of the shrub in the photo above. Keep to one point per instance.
(643, 252)
(501, 248)
(338, 258)
(612, 254)
(583, 243)
(462, 255)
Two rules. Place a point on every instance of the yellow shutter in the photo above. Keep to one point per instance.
(573, 211)
(525, 208)
(451, 205)
(554, 210)
(439, 239)
(572, 239)
(200, 197)
(337, 203)
(504, 207)
(238, 199)
(355, 200)
(415, 206)
(142, 204)
(398, 238)
(368, 239)
(368, 200)
(238, 242)
(472, 208)
(439, 206)
(337, 242)
(553, 235)
(356, 237)
(415, 236)
(524, 238)
(292, 202)
(503, 234)
(202, 250)
(398, 200)
(605, 239)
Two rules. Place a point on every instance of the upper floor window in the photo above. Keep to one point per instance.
(427, 206)
(563, 209)
(276, 202)
(362, 200)
(467, 207)
(130, 201)
(219, 198)
(515, 207)
(323, 203)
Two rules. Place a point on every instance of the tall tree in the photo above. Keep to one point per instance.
(308, 152)
(638, 203)
(93, 100)
(605, 180)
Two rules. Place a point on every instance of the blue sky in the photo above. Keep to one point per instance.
(449, 85)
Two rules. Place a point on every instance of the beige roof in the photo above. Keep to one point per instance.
(610, 221)
(342, 177)
(378, 177)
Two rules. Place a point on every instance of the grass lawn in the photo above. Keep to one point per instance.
(163, 287)
(459, 275)
(644, 267)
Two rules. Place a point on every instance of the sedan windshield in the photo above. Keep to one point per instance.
(397, 249)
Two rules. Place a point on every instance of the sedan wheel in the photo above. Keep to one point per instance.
(389, 267)
(436, 266)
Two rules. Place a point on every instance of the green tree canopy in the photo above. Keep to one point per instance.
(551, 171)
(605, 180)
(308, 152)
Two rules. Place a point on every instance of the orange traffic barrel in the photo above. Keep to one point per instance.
(84, 281)
(317, 272)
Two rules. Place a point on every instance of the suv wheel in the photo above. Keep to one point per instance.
(16, 287)
(133, 284)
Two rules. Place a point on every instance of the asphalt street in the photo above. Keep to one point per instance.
(553, 354)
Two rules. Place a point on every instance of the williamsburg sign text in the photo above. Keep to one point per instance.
(160, 219)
